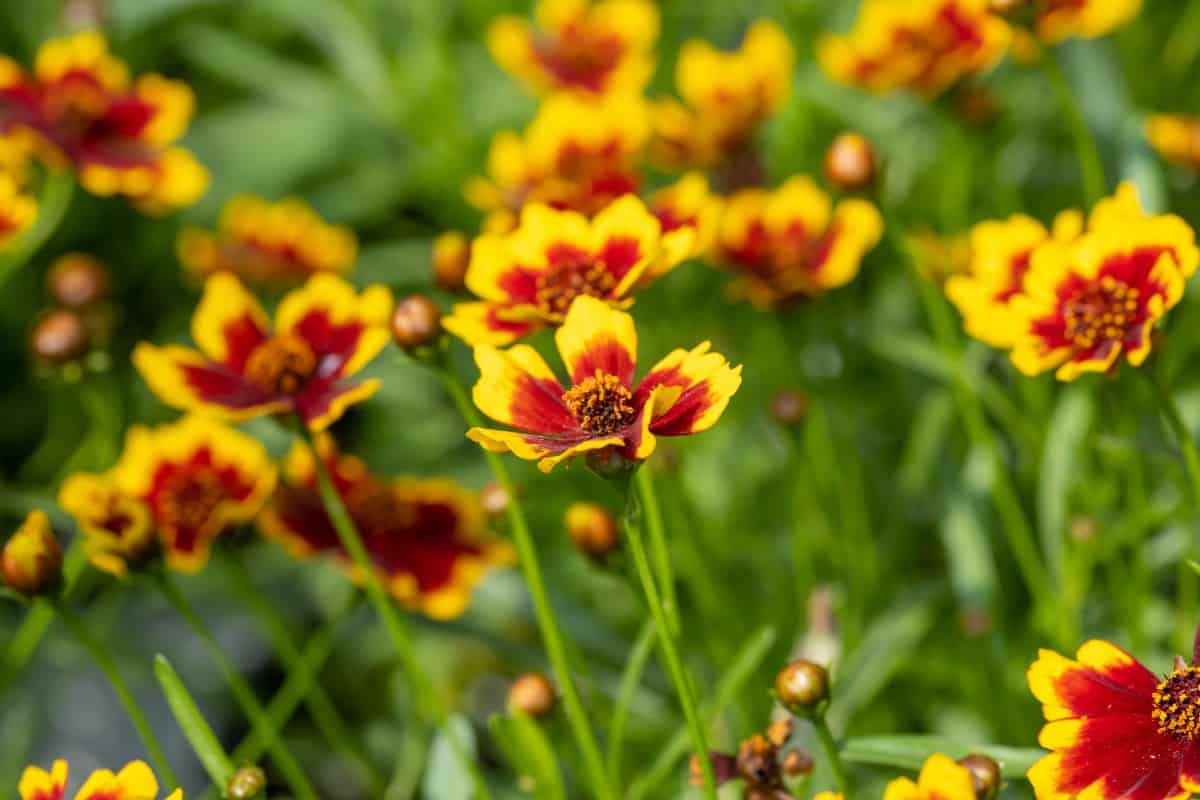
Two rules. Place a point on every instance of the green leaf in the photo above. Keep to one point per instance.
(530, 753)
(447, 773)
(909, 751)
(195, 728)
(968, 554)
(1066, 433)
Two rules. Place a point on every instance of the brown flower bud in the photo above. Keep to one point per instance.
(77, 281)
(451, 257)
(850, 162)
(985, 774)
(592, 529)
(802, 686)
(789, 407)
(494, 499)
(416, 322)
(31, 562)
(59, 336)
(246, 784)
(532, 694)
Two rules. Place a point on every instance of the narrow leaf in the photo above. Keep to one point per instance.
(199, 735)
(530, 753)
(909, 751)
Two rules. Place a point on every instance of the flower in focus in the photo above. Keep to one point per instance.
(426, 537)
(922, 45)
(268, 243)
(1062, 19)
(1176, 137)
(603, 408)
(1114, 728)
(324, 333)
(940, 779)
(118, 134)
(793, 242)
(527, 279)
(688, 203)
(135, 782)
(577, 45)
(186, 482)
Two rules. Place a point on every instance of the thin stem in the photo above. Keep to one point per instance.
(832, 756)
(1091, 166)
(552, 636)
(631, 678)
(103, 660)
(664, 572)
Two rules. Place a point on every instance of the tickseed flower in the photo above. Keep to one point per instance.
(1116, 730)
(1062, 19)
(1176, 137)
(18, 211)
(922, 45)
(135, 782)
(427, 537)
(268, 243)
(688, 203)
(793, 242)
(31, 560)
(603, 409)
(940, 779)
(182, 484)
(118, 134)
(323, 334)
(579, 153)
(527, 279)
(577, 45)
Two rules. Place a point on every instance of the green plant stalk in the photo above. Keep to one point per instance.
(195, 728)
(832, 756)
(1090, 165)
(103, 660)
(631, 678)
(660, 552)
(552, 636)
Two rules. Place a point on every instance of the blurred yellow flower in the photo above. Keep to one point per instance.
(18, 211)
(1176, 137)
(1062, 19)
(688, 203)
(940, 779)
(135, 782)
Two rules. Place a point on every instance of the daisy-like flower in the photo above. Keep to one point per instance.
(268, 243)
(528, 278)
(427, 538)
(324, 333)
(118, 134)
(922, 45)
(1063, 19)
(940, 779)
(1176, 137)
(135, 782)
(793, 241)
(576, 45)
(182, 485)
(688, 203)
(603, 408)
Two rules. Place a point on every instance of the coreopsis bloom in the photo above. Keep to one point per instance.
(1115, 728)
(426, 537)
(922, 45)
(324, 333)
(135, 782)
(940, 779)
(18, 210)
(1062, 19)
(118, 134)
(688, 203)
(603, 408)
(793, 241)
(1176, 137)
(528, 278)
(578, 45)
(268, 243)
(579, 153)
(182, 485)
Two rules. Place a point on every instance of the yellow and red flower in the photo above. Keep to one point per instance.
(268, 243)
(688, 203)
(324, 333)
(922, 45)
(603, 408)
(18, 210)
(1062, 19)
(117, 528)
(793, 242)
(135, 782)
(1176, 137)
(426, 537)
(581, 46)
(118, 134)
(940, 779)
(527, 279)
(1116, 730)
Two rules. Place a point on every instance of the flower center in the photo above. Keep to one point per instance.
(281, 365)
(601, 404)
(376, 509)
(1177, 704)
(189, 499)
(572, 276)
(1100, 311)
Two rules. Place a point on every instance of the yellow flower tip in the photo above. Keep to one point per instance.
(31, 561)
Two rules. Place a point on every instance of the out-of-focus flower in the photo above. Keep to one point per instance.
(426, 537)
(688, 203)
(1116, 730)
(759, 763)
(793, 242)
(592, 529)
(18, 211)
(186, 483)
(118, 134)
(577, 45)
(324, 333)
(31, 561)
(451, 257)
(922, 45)
(135, 782)
(579, 153)
(1176, 137)
(939, 258)
(532, 694)
(603, 410)
(527, 279)
(828, 796)
(1062, 19)
(940, 779)
(268, 244)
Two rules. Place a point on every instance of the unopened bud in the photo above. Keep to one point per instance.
(789, 407)
(532, 694)
(802, 687)
(31, 562)
(59, 336)
(416, 322)
(494, 499)
(246, 784)
(985, 774)
(850, 162)
(78, 281)
(592, 529)
(451, 257)
(610, 464)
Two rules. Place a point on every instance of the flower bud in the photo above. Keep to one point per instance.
(592, 529)
(850, 162)
(608, 463)
(789, 407)
(802, 687)
(532, 694)
(494, 499)
(985, 774)
(31, 562)
(78, 281)
(451, 257)
(416, 322)
(246, 784)
(59, 336)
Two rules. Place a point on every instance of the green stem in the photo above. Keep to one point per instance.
(631, 678)
(552, 636)
(832, 756)
(103, 660)
(1091, 166)
(659, 551)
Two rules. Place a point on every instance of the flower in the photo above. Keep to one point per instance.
(688, 203)
(183, 484)
(1115, 729)
(323, 334)
(268, 243)
(135, 782)
(1061, 19)
(579, 46)
(793, 242)
(18, 211)
(1176, 137)
(940, 779)
(603, 409)
(31, 560)
(82, 109)
(922, 45)
(527, 279)
(426, 537)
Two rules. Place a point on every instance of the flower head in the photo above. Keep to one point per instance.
(268, 243)
(324, 333)
(1062, 19)
(135, 782)
(577, 45)
(940, 779)
(426, 537)
(1176, 137)
(527, 279)
(688, 203)
(603, 408)
(793, 241)
(118, 531)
